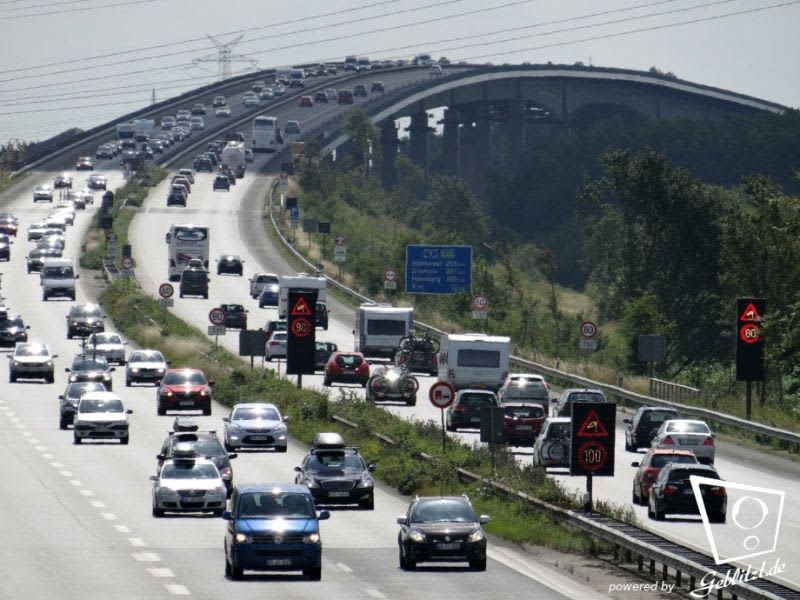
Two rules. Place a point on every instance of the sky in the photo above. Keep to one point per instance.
(80, 63)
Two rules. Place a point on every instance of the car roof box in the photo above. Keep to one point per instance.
(328, 441)
(184, 424)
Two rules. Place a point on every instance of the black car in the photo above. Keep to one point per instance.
(322, 352)
(377, 86)
(12, 329)
(5, 247)
(207, 444)
(68, 401)
(321, 315)
(90, 368)
(221, 182)
(194, 282)
(203, 163)
(672, 493)
(392, 384)
(276, 325)
(465, 411)
(231, 264)
(235, 316)
(360, 89)
(320, 97)
(229, 174)
(62, 181)
(175, 198)
(84, 320)
(442, 528)
(336, 474)
(642, 428)
(36, 257)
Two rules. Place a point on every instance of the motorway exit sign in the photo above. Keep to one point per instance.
(437, 269)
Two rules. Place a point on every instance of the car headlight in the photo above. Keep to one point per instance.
(72, 378)
(204, 392)
(311, 483)
(243, 538)
(366, 482)
(311, 538)
(106, 376)
(416, 536)
(476, 536)
(135, 370)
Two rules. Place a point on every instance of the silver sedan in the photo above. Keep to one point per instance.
(687, 434)
(255, 425)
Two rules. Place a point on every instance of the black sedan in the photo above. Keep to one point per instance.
(90, 368)
(12, 330)
(322, 353)
(672, 493)
(392, 384)
(230, 264)
(221, 182)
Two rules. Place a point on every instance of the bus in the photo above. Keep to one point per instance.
(266, 134)
(184, 243)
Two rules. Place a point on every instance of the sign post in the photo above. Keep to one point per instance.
(301, 342)
(441, 395)
(592, 442)
(749, 345)
(217, 328)
(340, 252)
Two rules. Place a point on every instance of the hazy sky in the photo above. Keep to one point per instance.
(67, 63)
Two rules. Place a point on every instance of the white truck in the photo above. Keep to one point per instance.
(474, 360)
(143, 129)
(300, 281)
(233, 157)
(125, 131)
(380, 327)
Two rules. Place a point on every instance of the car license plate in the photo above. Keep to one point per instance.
(687, 491)
(258, 438)
(338, 494)
(187, 403)
(524, 427)
(475, 420)
(450, 546)
(689, 442)
(279, 562)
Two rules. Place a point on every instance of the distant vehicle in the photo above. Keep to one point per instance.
(522, 422)
(199, 109)
(687, 434)
(377, 87)
(650, 466)
(193, 282)
(362, 63)
(380, 328)
(423, 60)
(297, 78)
(97, 182)
(230, 264)
(644, 425)
(276, 345)
(233, 158)
(474, 360)
(350, 63)
(345, 97)
(109, 345)
(235, 316)
(322, 352)
(219, 101)
(525, 387)
(465, 411)
(360, 90)
(168, 122)
(186, 242)
(101, 415)
(184, 389)
(43, 192)
(292, 128)
(266, 134)
(561, 407)
(435, 71)
(222, 111)
(392, 384)
(64, 180)
(672, 493)
(197, 122)
(306, 101)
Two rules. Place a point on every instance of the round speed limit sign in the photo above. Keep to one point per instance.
(588, 330)
(216, 316)
(480, 302)
(165, 290)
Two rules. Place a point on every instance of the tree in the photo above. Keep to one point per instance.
(363, 134)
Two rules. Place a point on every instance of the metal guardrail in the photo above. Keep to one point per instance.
(667, 390)
(611, 390)
(635, 542)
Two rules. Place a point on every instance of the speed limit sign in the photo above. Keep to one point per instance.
(165, 290)
(480, 302)
(216, 316)
(588, 330)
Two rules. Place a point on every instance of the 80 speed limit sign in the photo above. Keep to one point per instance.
(588, 330)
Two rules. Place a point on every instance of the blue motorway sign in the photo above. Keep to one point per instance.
(295, 214)
(438, 269)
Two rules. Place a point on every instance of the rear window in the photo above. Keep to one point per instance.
(659, 460)
(586, 397)
(386, 327)
(192, 275)
(558, 430)
(658, 416)
(680, 474)
(684, 427)
(477, 400)
(349, 361)
(487, 359)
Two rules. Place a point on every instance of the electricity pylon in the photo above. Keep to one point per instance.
(224, 56)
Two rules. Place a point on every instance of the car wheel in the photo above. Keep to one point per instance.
(70, 335)
(205, 296)
(161, 411)
(478, 565)
(76, 439)
(157, 512)
(237, 572)
(44, 297)
(720, 518)
(207, 411)
(449, 426)
(401, 559)
(313, 573)
(658, 515)
(326, 382)
(412, 402)
(52, 378)
(62, 423)
(411, 562)
(124, 440)
(229, 448)
(368, 504)
(634, 498)
(12, 378)
(127, 382)
(628, 447)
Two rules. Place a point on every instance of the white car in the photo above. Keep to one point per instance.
(108, 344)
(145, 365)
(255, 425)
(188, 173)
(276, 345)
(31, 360)
(188, 483)
(259, 281)
(43, 192)
(65, 215)
(686, 434)
(101, 415)
(197, 122)
(223, 111)
(435, 71)
(525, 387)
(551, 448)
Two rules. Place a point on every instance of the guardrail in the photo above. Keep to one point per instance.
(553, 373)
(636, 544)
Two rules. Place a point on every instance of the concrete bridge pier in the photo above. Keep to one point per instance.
(482, 150)
(389, 145)
(450, 142)
(418, 140)
(517, 132)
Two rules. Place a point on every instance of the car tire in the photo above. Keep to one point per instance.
(157, 512)
(720, 518)
(52, 378)
(368, 504)
(634, 498)
(228, 447)
(412, 402)
(76, 440)
(313, 573)
(401, 559)
(44, 297)
(62, 423)
(12, 378)
(127, 382)
(628, 447)
(237, 572)
(205, 296)
(124, 440)
(658, 515)
(449, 426)
(326, 382)
(207, 412)
(281, 448)
(161, 411)
(478, 565)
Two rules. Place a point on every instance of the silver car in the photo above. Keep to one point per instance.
(35, 230)
(687, 434)
(43, 192)
(145, 365)
(101, 415)
(276, 345)
(31, 360)
(551, 448)
(255, 425)
(188, 484)
(107, 344)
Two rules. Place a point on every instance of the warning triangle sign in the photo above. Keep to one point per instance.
(750, 314)
(301, 309)
(592, 427)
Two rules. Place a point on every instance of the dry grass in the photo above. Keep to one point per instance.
(184, 348)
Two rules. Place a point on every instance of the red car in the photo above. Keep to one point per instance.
(184, 389)
(650, 466)
(346, 367)
(306, 101)
(522, 422)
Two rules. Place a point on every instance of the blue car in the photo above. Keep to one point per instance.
(273, 527)
(269, 296)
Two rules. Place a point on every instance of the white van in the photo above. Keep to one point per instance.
(57, 278)
(299, 281)
(474, 360)
(379, 329)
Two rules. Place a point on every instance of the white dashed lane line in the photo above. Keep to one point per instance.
(146, 557)
(160, 572)
(109, 516)
(177, 590)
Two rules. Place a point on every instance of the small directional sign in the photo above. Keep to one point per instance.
(441, 394)
(390, 279)
(216, 330)
(166, 302)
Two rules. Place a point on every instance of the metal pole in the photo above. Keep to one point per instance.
(589, 492)
(444, 434)
(299, 381)
(749, 399)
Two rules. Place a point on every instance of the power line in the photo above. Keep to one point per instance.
(74, 10)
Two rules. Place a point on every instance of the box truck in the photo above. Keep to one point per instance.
(380, 327)
(474, 360)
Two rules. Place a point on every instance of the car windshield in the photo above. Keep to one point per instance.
(204, 445)
(29, 350)
(659, 460)
(525, 412)
(76, 390)
(86, 311)
(279, 336)
(285, 505)
(152, 356)
(58, 272)
(451, 511)
(349, 361)
(12, 322)
(250, 413)
(189, 471)
(687, 427)
(106, 338)
(191, 378)
(90, 405)
(90, 364)
(267, 279)
(333, 463)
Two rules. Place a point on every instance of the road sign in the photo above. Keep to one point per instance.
(749, 339)
(479, 302)
(339, 240)
(216, 316)
(438, 269)
(441, 394)
(301, 308)
(592, 439)
(166, 302)
(301, 343)
(301, 327)
(340, 254)
(588, 330)
(111, 237)
(216, 330)
(585, 344)
(165, 290)
(127, 262)
(295, 215)
(389, 279)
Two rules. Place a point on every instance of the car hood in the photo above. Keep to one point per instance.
(265, 425)
(147, 365)
(185, 389)
(277, 525)
(190, 484)
(107, 347)
(102, 417)
(85, 319)
(90, 373)
(442, 528)
(32, 360)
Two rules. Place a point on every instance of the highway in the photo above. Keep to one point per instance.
(89, 506)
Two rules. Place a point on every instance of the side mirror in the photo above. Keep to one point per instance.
(158, 382)
(371, 467)
(402, 520)
(324, 515)
(27, 326)
(54, 356)
(635, 464)
(484, 519)
(232, 455)
(227, 515)
(286, 419)
(160, 457)
(66, 369)
(129, 412)
(298, 470)
(211, 382)
(78, 277)
(112, 369)
(61, 396)
(153, 477)
(628, 421)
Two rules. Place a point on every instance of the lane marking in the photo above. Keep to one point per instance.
(33, 440)
(98, 504)
(47, 456)
(375, 594)
(41, 449)
(109, 516)
(66, 473)
(160, 572)
(344, 567)
(23, 426)
(56, 465)
(87, 493)
(177, 590)
(122, 528)
(138, 542)
(75, 482)
(146, 556)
